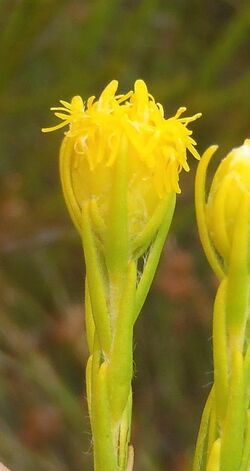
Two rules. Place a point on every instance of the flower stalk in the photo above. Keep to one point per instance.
(223, 220)
(119, 163)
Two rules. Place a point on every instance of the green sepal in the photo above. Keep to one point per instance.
(200, 456)
(116, 244)
(66, 156)
(88, 376)
(124, 433)
(154, 256)
(214, 457)
(97, 220)
(200, 205)
(212, 429)
(96, 283)
(238, 279)
(247, 375)
(245, 464)
(144, 239)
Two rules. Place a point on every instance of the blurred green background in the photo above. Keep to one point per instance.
(193, 53)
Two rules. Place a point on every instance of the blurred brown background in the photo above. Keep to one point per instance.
(192, 53)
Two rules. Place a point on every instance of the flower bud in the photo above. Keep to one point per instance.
(230, 190)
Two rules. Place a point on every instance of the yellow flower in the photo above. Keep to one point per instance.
(124, 139)
(120, 161)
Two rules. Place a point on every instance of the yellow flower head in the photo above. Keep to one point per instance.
(228, 195)
(157, 143)
(122, 141)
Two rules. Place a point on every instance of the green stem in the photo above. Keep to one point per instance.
(120, 368)
(105, 453)
(89, 322)
(234, 425)
(220, 352)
